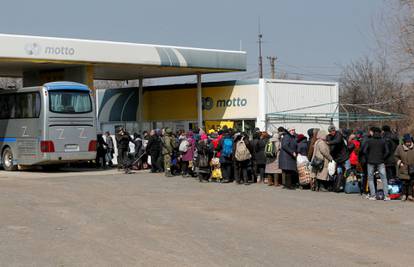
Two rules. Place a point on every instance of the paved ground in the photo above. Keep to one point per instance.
(110, 219)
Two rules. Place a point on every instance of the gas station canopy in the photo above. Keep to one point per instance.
(111, 60)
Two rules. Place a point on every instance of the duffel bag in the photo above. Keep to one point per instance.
(394, 188)
(304, 174)
(352, 187)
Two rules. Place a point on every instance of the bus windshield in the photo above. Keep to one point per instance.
(70, 101)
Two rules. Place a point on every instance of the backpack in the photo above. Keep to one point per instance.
(203, 158)
(203, 161)
(227, 150)
(270, 149)
(184, 145)
(242, 153)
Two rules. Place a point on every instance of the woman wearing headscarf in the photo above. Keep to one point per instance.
(404, 154)
(272, 170)
(321, 152)
(188, 156)
(287, 159)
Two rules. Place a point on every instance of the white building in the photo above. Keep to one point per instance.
(243, 104)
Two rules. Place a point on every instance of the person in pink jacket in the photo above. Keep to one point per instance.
(188, 156)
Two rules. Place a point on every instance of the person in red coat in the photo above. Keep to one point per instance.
(353, 140)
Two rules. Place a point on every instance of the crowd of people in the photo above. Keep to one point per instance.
(366, 162)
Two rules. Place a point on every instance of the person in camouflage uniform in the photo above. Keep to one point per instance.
(169, 144)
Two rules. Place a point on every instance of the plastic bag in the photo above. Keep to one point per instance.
(300, 160)
(149, 160)
(216, 174)
(332, 168)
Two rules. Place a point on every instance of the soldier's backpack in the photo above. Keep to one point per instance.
(227, 150)
(242, 153)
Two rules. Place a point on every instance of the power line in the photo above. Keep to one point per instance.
(311, 66)
(315, 73)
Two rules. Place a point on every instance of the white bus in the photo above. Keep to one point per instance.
(47, 125)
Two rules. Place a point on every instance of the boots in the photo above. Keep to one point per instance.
(168, 173)
(270, 181)
(287, 180)
(277, 182)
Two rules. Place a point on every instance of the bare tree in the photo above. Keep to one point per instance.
(405, 21)
(373, 84)
(394, 32)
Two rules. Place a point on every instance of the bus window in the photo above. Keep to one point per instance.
(4, 109)
(7, 106)
(70, 102)
(28, 105)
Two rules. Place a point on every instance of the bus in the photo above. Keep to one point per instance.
(47, 125)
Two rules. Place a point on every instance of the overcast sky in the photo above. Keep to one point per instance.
(312, 38)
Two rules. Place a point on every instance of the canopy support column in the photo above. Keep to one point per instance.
(199, 102)
(140, 104)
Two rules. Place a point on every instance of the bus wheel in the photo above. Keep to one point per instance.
(7, 160)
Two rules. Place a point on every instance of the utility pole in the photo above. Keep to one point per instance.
(260, 53)
(272, 61)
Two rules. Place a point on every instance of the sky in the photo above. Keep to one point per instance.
(312, 39)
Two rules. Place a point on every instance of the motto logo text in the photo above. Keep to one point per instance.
(208, 103)
(34, 49)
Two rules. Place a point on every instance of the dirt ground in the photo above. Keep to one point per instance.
(105, 218)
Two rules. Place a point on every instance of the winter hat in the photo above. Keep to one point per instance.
(331, 128)
(168, 131)
(204, 137)
(300, 137)
(407, 138)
